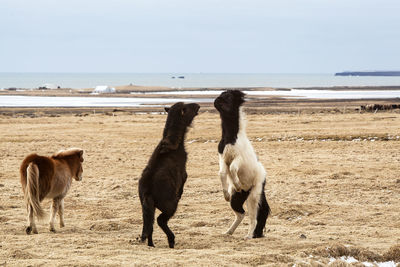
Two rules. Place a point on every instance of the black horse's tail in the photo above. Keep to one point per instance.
(262, 214)
(148, 220)
(148, 210)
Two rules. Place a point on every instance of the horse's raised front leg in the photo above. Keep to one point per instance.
(233, 169)
(53, 211)
(61, 213)
(223, 176)
(31, 221)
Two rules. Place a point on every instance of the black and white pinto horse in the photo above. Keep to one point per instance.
(242, 175)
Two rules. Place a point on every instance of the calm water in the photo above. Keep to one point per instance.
(90, 80)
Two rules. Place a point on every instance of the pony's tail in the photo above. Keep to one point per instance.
(262, 214)
(32, 190)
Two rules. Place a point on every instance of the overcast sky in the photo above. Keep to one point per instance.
(222, 36)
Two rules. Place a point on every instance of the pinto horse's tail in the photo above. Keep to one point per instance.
(262, 214)
(32, 190)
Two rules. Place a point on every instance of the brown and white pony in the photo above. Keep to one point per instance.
(49, 177)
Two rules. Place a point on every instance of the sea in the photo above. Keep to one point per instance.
(190, 80)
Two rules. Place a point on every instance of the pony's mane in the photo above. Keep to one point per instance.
(67, 152)
(242, 120)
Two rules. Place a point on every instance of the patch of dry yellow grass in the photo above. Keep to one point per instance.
(325, 183)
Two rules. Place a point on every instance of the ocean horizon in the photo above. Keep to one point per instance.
(191, 80)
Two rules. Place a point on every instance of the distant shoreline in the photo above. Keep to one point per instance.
(368, 73)
(273, 103)
(134, 90)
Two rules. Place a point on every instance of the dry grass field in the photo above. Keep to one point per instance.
(333, 185)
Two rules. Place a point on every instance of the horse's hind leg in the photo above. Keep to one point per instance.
(61, 212)
(31, 221)
(252, 206)
(53, 211)
(163, 219)
(262, 214)
(237, 201)
(148, 210)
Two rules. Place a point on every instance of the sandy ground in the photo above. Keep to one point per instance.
(333, 185)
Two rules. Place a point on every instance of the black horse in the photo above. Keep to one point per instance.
(162, 181)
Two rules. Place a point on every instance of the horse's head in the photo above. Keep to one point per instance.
(74, 158)
(181, 115)
(228, 102)
(78, 176)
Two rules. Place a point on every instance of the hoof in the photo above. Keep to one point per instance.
(62, 225)
(227, 196)
(238, 187)
(28, 230)
(247, 237)
(171, 241)
(228, 233)
(52, 229)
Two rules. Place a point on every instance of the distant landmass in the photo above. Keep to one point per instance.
(368, 73)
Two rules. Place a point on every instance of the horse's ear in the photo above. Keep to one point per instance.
(167, 109)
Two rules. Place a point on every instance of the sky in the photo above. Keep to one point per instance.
(190, 36)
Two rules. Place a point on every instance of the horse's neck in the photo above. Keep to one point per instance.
(72, 165)
(61, 181)
(233, 127)
(177, 138)
(242, 123)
